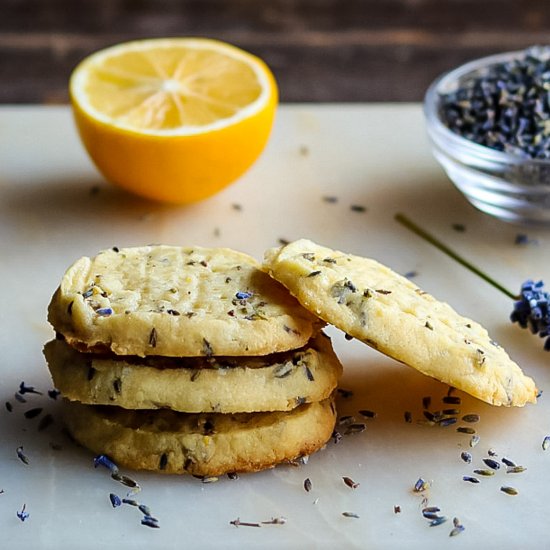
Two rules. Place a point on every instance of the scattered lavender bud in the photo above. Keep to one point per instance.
(420, 485)
(452, 400)
(466, 456)
(458, 528)
(485, 473)
(447, 421)
(521, 238)
(355, 429)
(149, 521)
(125, 480)
(104, 460)
(23, 514)
(474, 440)
(493, 464)
(115, 500)
(470, 479)
(350, 483)
(515, 469)
(23, 389)
(33, 413)
(465, 430)
(430, 417)
(144, 509)
(21, 456)
(209, 479)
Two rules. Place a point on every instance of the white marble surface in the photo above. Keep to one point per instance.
(375, 156)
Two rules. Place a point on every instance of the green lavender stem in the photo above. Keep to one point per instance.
(405, 221)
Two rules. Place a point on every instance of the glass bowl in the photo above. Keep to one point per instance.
(507, 186)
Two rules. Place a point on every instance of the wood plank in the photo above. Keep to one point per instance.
(323, 50)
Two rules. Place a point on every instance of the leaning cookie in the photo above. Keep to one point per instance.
(201, 444)
(276, 382)
(388, 312)
(174, 301)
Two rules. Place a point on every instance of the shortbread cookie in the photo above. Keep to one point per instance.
(200, 444)
(388, 312)
(276, 382)
(173, 301)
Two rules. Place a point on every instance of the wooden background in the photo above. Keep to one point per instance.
(320, 50)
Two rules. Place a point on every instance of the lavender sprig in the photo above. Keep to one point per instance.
(532, 311)
(531, 306)
(403, 220)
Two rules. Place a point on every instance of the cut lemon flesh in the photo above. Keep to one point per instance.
(140, 97)
(170, 86)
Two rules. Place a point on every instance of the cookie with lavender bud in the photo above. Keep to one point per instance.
(372, 303)
(274, 382)
(174, 301)
(201, 444)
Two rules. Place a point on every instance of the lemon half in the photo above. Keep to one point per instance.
(174, 119)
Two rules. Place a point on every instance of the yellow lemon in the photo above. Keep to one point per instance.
(174, 119)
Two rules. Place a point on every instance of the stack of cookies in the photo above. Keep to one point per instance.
(197, 361)
(189, 360)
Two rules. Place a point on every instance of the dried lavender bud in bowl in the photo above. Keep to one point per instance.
(505, 106)
(489, 125)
